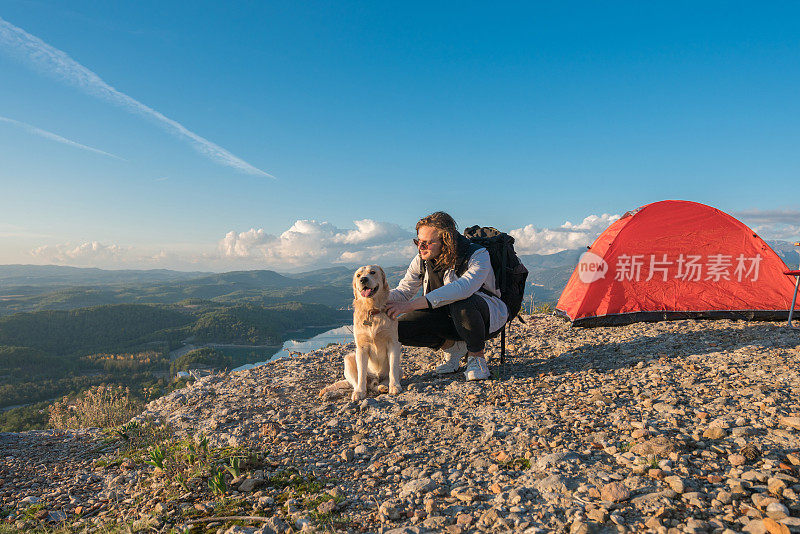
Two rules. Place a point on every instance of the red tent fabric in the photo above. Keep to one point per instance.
(675, 260)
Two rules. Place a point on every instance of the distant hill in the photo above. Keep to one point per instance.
(59, 275)
(49, 287)
(787, 251)
(247, 279)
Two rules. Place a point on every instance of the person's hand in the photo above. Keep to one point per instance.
(395, 309)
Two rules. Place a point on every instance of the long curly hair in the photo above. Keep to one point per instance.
(448, 232)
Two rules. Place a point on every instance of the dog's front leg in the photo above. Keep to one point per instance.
(360, 389)
(395, 369)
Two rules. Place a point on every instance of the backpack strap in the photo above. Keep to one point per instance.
(461, 266)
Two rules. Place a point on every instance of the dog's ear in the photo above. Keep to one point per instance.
(355, 287)
(384, 284)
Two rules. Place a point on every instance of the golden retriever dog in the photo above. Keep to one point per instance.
(377, 356)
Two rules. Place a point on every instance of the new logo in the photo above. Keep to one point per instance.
(591, 267)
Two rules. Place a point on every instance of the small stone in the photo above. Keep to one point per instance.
(653, 523)
(791, 422)
(755, 526)
(327, 507)
(724, 497)
(464, 520)
(599, 515)
(348, 455)
(773, 527)
(794, 459)
(420, 485)
(249, 485)
(658, 446)
(430, 506)
(276, 524)
(500, 456)
(495, 488)
(714, 432)
(464, 496)
(676, 483)
(579, 527)
(736, 460)
(303, 523)
(389, 510)
(776, 486)
(761, 500)
(777, 511)
(615, 492)
(30, 500)
(754, 475)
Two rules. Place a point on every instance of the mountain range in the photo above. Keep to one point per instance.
(51, 287)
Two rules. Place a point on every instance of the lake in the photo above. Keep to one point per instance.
(341, 335)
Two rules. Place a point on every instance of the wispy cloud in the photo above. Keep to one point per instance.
(55, 137)
(36, 54)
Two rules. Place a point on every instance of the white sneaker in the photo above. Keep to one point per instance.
(452, 358)
(477, 368)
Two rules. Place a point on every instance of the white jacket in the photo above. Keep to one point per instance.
(479, 274)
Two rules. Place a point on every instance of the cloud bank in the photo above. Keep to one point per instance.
(532, 240)
(305, 245)
(311, 244)
(40, 56)
(315, 243)
(55, 137)
(89, 253)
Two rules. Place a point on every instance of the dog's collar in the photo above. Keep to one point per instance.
(371, 313)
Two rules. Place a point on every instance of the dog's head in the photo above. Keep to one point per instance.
(369, 282)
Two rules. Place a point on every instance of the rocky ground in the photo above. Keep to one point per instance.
(667, 427)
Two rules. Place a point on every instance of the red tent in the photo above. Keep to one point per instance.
(676, 260)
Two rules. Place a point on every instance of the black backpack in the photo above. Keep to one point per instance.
(509, 273)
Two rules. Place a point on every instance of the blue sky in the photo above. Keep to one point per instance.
(293, 135)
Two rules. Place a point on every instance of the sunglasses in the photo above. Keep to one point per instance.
(424, 244)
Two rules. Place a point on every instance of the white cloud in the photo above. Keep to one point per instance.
(369, 231)
(35, 53)
(314, 243)
(305, 245)
(782, 225)
(89, 253)
(55, 137)
(242, 244)
(779, 232)
(532, 240)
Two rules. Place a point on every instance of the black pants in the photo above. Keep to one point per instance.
(466, 319)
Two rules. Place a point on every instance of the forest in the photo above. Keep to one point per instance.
(48, 354)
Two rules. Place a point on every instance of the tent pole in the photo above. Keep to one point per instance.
(794, 299)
